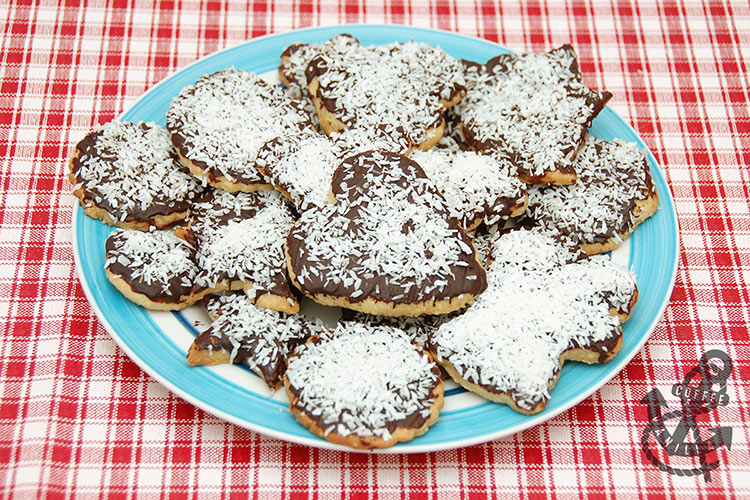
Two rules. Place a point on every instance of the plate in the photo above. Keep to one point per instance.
(158, 342)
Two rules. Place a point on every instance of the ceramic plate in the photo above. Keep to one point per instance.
(158, 342)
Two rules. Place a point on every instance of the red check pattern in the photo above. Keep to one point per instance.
(79, 419)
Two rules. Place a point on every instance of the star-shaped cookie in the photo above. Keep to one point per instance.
(544, 304)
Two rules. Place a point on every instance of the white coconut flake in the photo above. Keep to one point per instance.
(362, 380)
(540, 302)
(531, 107)
(131, 170)
(224, 118)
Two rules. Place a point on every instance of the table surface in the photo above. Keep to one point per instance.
(78, 418)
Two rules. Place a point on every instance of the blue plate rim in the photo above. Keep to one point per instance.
(612, 368)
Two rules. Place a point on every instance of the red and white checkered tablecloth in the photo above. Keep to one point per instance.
(79, 419)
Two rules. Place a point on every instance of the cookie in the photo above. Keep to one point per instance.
(614, 193)
(294, 61)
(301, 166)
(418, 328)
(153, 269)
(219, 123)
(239, 241)
(363, 386)
(387, 246)
(477, 188)
(244, 333)
(533, 109)
(407, 85)
(128, 175)
(544, 304)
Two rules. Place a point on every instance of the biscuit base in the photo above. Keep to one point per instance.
(204, 357)
(399, 435)
(577, 354)
(222, 182)
(516, 210)
(142, 300)
(644, 209)
(380, 308)
(91, 209)
(330, 123)
(267, 300)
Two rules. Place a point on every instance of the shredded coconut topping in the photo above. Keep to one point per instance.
(533, 107)
(418, 328)
(612, 176)
(540, 302)
(131, 171)
(399, 84)
(241, 237)
(363, 380)
(389, 236)
(220, 122)
(260, 337)
(302, 165)
(477, 188)
(156, 259)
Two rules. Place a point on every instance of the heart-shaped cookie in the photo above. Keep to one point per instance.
(544, 304)
(387, 246)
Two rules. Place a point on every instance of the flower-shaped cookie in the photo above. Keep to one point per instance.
(478, 188)
(154, 269)
(387, 246)
(128, 175)
(534, 109)
(544, 304)
(614, 193)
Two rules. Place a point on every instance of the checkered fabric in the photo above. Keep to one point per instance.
(79, 419)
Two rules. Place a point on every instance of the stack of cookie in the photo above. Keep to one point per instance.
(454, 211)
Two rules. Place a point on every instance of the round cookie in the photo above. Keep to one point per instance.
(477, 188)
(613, 194)
(364, 386)
(544, 304)
(241, 332)
(407, 85)
(128, 175)
(387, 246)
(153, 269)
(219, 123)
(239, 241)
(533, 109)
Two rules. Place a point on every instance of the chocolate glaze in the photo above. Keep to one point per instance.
(382, 288)
(318, 66)
(411, 421)
(199, 232)
(88, 147)
(154, 291)
(625, 213)
(218, 340)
